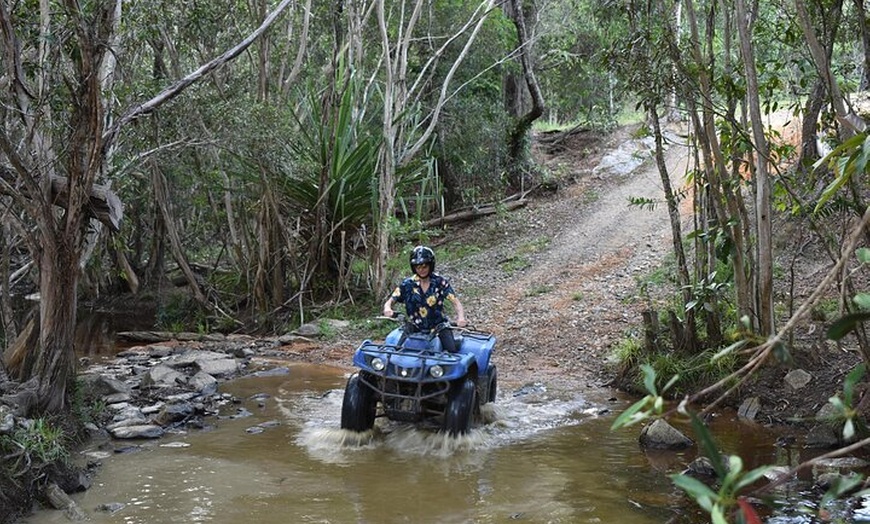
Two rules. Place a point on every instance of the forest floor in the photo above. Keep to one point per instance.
(563, 280)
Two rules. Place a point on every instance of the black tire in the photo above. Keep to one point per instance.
(358, 407)
(493, 385)
(461, 406)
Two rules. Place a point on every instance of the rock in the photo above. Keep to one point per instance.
(291, 338)
(111, 507)
(117, 398)
(162, 376)
(750, 408)
(141, 431)
(104, 386)
(661, 435)
(128, 413)
(829, 414)
(154, 408)
(157, 351)
(798, 378)
(308, 330)
(273, 372)
(701, 468)
(218, 367)
(7, 420)
(822, 436)
(841, 463)
(56, 497)
(173, 413)
(133, 421)
(336, 325)
(203, 383)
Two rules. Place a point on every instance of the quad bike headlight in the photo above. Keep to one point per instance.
(378, 364)
(436, 371)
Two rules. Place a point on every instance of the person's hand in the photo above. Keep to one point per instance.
(461, 322)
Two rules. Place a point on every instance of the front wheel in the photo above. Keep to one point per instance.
(461, 405)
(358, 407)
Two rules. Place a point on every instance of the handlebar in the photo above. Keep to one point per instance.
(401, 318)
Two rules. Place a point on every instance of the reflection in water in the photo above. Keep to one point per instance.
(544, 457)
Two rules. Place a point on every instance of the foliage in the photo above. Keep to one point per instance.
(38, 443)
(728, 498)
(848, 160)
(850, 321)
(86, 407)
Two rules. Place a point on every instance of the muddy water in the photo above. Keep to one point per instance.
(544, 456)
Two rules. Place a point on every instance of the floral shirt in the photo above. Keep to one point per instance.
(425, 309)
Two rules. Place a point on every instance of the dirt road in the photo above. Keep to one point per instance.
(557, 280)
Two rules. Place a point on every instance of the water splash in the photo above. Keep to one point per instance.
(509, 420)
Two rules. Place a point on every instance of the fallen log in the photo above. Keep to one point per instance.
(473, 213)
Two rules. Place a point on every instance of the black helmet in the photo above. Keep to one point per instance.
(422, 255)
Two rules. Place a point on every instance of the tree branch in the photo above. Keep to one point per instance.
(179, 86)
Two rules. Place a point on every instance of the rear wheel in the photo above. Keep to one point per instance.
(461, 405)
(358, 407)
(493, 385)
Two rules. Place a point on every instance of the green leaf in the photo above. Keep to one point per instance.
(670, 383)
(838, 404)
(708, 445)
(625, 419)
(717, 516)
(843, 325)
(852, 378)
(840, 486)
(863, 255)
(862, 300)
(730, 349)
(752, 476)
(848, 430)
(696, 489)
(649, 378)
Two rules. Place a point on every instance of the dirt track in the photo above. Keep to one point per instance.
(558, 317)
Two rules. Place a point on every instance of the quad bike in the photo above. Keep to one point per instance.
(409, 378)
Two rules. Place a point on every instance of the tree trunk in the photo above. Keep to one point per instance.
(809, 126)
(763, 210)
(55, 364)
(518, 136)
(861, 15)
(161, 196)
(852, 123)
(683, 277)
(725, 200)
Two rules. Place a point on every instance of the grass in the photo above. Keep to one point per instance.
(534, 246)
(514, 264)
(539, 290)
(38, 442)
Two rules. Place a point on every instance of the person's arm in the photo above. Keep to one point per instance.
(388, 307)
(460, 311)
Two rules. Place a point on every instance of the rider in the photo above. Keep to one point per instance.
(424, 294)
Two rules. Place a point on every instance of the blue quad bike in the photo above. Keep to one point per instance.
(409, 378)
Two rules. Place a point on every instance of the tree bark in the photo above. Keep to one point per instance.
(763, 208)
(518, 135)
(162, 198)
(861, 15)
(852, 123)
(683, 277)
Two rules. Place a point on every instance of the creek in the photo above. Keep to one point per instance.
(279, 456)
